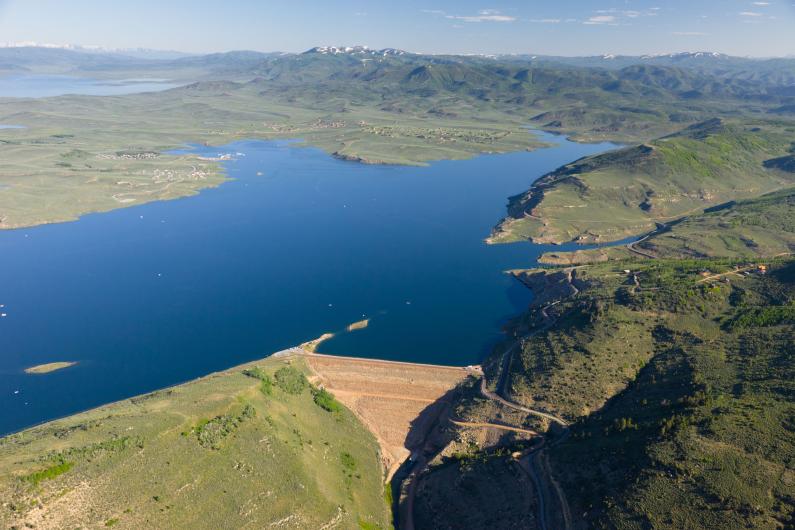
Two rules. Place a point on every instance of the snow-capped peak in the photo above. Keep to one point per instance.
(355, 50)
(685, 55)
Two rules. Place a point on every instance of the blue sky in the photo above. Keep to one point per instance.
(564, 27)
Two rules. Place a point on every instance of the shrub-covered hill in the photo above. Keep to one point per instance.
(255, 447)
(681, 389)
(611, 196)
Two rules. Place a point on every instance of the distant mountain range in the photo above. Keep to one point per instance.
(357, 50)
(138, 53)
(738, 74)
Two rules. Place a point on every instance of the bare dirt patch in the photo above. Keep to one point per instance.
(394, 400)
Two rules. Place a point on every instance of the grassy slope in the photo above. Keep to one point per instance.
(155, 461)
(611, 196)
(681, 392)
(757, 227)
(760, 227)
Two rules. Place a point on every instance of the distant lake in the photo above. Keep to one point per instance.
(11, 126)
(154, 295)
(41, 86)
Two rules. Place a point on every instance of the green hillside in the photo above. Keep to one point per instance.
(760, 227)
(679, 390)
(678, 382)
(625, 192)
(756, 227)
(700, 435)
(249, 447)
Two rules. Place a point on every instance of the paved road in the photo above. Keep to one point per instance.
(661, 227)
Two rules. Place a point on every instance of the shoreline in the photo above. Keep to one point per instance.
(350, 328)
(219, 174)
(293, 351)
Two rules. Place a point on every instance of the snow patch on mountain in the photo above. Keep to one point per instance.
(356, 50)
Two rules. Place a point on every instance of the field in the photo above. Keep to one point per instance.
(251, 447)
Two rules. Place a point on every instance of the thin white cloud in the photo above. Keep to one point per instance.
(484, 15)
(690, 33)
(762, 4)
(545, 20)
(481, 18)
(750, 14)
(600, 20)
(487, 16)
(617, 17)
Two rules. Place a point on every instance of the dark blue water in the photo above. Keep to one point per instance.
(154, 295)
(41, 86)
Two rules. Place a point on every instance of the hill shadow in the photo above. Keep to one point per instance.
(427, 435)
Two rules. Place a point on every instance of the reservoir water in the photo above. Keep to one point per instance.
(157, 294)
(41, 86)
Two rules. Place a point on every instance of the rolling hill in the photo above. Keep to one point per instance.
(625, 192)
(253, 446)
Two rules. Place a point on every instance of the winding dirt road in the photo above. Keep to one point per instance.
(535, 462)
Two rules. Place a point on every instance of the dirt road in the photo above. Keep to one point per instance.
(493, 426)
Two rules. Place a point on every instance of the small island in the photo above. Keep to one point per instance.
(361, 324)
(49, 367)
